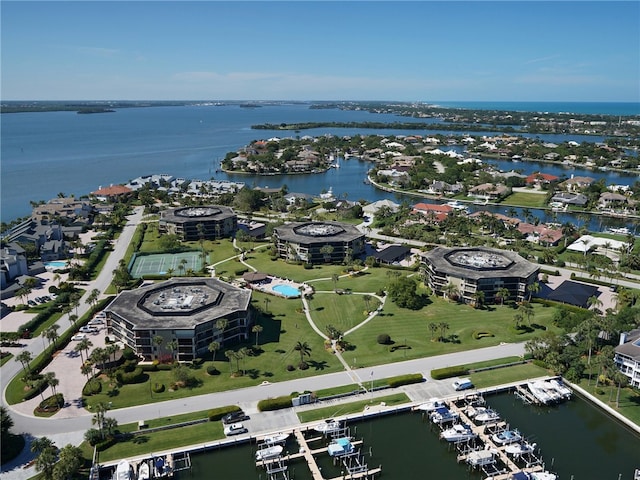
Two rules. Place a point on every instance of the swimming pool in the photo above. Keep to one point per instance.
(55, 265)
(286, 291)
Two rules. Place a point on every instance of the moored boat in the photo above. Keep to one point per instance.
(123, 471)
(506, 437)
(143, 471)
(276, 438)
(443, 415)
(328, 426)
(533, 476)
(340, 446)
(431, 405)
(269, 452)
(520, 448)
(481, 457)
(486, 415)
(458, 433)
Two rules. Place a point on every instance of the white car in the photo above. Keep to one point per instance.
(79, 336)
(235, 429)
(88, 329)
(96, 321)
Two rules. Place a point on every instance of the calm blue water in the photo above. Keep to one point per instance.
(576, 441)
(604, 108)
(47, 153)
(286, 290)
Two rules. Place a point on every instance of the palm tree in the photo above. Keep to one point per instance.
(517, 318)
(367, 302)
(443, 326)
(478, 298)
(51, 334)
(83, 346)
(304, 349)
(433, 328)
(527, 311)
(172, 346)
(24, 357)
(594, 303)
(73, 319)
(503, 294)
(449, 290)
(213, 348)
(326, 251)
(52, 381)
(222, 325)
(157, 341)
(46, 458)
(230, 354)
(533, 288)
(256, 329)
(334, 279)
(86, 369)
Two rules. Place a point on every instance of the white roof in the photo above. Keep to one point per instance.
(585, 242)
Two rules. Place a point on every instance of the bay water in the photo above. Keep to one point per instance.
(44, 154)
(577, 441)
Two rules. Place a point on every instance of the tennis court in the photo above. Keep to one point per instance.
(166, 264)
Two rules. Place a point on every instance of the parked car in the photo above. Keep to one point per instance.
(235, 429)
(462, 384)
(31, 303)
(79, 336)
(96, 321)
(88, 329)
(234, 417)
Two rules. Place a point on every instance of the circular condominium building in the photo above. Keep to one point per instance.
(316, 242)
(465, 271)
(193, 223)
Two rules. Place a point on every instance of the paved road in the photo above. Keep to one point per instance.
(10, 369)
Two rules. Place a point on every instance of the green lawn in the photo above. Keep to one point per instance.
(498, 376)
(523, 199)
(351, 407)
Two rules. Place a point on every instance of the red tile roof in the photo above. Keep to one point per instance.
(112, 191)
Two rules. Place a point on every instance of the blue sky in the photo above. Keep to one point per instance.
(352, 50)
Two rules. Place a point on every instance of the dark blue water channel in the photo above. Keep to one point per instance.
(47, 153)
(576, 440)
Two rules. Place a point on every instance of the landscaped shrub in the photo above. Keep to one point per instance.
(212, 370)
(241, 271)
(276, 403)
(137, 376)
(54, 402)
(303, 365)
(164, 366)
(217, 413)
(290, 368)
(198, 361)
(449, 372)
(158, 387)
(407, 379)
(308, 266)
(384, 339)
(481, 334)
(129, 354)
(92, 387)
(149, 367)
(106, 443)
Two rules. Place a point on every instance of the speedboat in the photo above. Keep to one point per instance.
(269, 452)
(328, 426)
(123, 471)
(443, 415)
(431, 405)
(143, 471)
(486, 415)
(458, 433)
(276, 438)
(481, 457)
(506, 437)
(539, 391)
(564, 391)
(520, 448)
(340, 446)
(533, 476)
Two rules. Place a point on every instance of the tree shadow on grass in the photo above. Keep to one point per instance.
(317, 365)
(140, 439)
(453, 338)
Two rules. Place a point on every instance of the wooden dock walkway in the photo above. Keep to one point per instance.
(306, 452)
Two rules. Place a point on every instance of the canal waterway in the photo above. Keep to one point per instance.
(44, 154)
(576, 440)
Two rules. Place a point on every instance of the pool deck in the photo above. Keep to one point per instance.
(267, 287)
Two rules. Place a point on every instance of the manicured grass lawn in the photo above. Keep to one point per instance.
(164, 440)
(515, 373)
(629, 401)
(524, 199)
(351, 407)
(412, 328)
(6, 358)
(341, 311)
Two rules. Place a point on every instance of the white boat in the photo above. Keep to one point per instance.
(269, 452)
(328, 426)
(340, 446)
(276, 438)
(481, 457)
(533, 476)
(458, 433)
(564, 391)
(506, 437)
(518, 449)
(443, 415)
(160, 467)
(486, 415)
(539, 391)
(620, 231)
(431, 405)
(123, 471)
(143, 471)
(457, 206)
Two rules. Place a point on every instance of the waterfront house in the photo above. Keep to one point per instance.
(432, 212)
(112, 193)
(491, 191)
(372, 208)
(611, 200)
(539, 179)
(540, 234)
(568, 198)
(576, 183)
(627, 356)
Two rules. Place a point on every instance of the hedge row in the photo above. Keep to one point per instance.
(126, 378)
(276, 403)
(449, 372)
(217, 413)
(407, 379)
